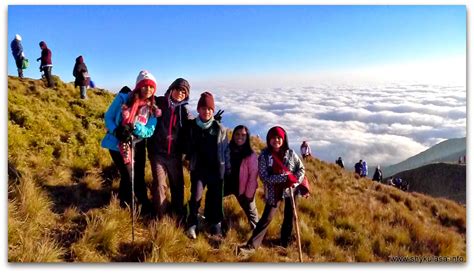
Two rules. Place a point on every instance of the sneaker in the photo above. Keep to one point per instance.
(216, 229)
(245, 250)
(191, 232)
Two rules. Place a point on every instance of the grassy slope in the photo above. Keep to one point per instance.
(62, 204)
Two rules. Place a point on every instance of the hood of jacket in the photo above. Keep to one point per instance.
(79, 60)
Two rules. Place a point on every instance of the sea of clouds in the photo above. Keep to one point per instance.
(382, 124)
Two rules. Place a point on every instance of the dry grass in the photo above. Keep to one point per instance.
(62, 204)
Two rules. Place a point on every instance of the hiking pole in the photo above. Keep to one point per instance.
(298, 237)
(132, 181)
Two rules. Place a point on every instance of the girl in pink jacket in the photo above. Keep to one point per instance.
(242, 181)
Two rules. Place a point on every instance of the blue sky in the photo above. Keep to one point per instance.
(209, 44)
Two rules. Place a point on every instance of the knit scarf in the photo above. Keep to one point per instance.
(277, 166)
(137, 104)
(204, 125)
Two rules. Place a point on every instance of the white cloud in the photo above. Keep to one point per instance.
(383, 124)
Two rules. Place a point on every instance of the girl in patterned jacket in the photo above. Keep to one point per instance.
(279, 168)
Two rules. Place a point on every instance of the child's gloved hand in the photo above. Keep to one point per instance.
(218, 115)
(123, 133)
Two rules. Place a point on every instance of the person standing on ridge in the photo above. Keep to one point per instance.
(132, 117)
(305, 150)
(340, 162)
(166, 148)
(46, 65)
(209, 162)
(18, 54)
(358, 167)
(377, 174)
(364, 170)
(82, 76)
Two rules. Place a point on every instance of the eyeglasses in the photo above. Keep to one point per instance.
(181, 90)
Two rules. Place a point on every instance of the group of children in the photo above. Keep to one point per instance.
(139, 122)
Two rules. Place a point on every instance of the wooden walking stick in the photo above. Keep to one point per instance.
(298, 237)
(132, 181)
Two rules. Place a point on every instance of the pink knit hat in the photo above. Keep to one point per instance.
(145, 78)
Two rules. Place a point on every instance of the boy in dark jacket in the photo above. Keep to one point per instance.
(46, 63)
(209, 163)
(166, 147)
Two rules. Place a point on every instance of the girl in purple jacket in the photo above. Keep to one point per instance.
(242, 181)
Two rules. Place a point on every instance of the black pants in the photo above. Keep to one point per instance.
(19, 66)
(48, 76)
(125, 188)
(262, 226)
(213, 208)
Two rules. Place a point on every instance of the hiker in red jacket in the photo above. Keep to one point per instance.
(46, 65)
(279, 168)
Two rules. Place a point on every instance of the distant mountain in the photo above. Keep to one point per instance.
(447, 151)
(447, 180)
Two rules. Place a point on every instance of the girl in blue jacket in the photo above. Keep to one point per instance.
(132, 117)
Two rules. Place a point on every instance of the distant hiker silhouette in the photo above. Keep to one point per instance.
(242, 180)
(390, 181)
(305, 150)
(18, 54)
(81, 74)
(139, 124)
(279, 168)
(400, 184)
(340, 162)
(46, 65)
(377, 174)
(358, 168)
(364, 170)
(166, 147)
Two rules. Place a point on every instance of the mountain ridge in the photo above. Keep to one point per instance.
(62, 204)
(446, 151)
